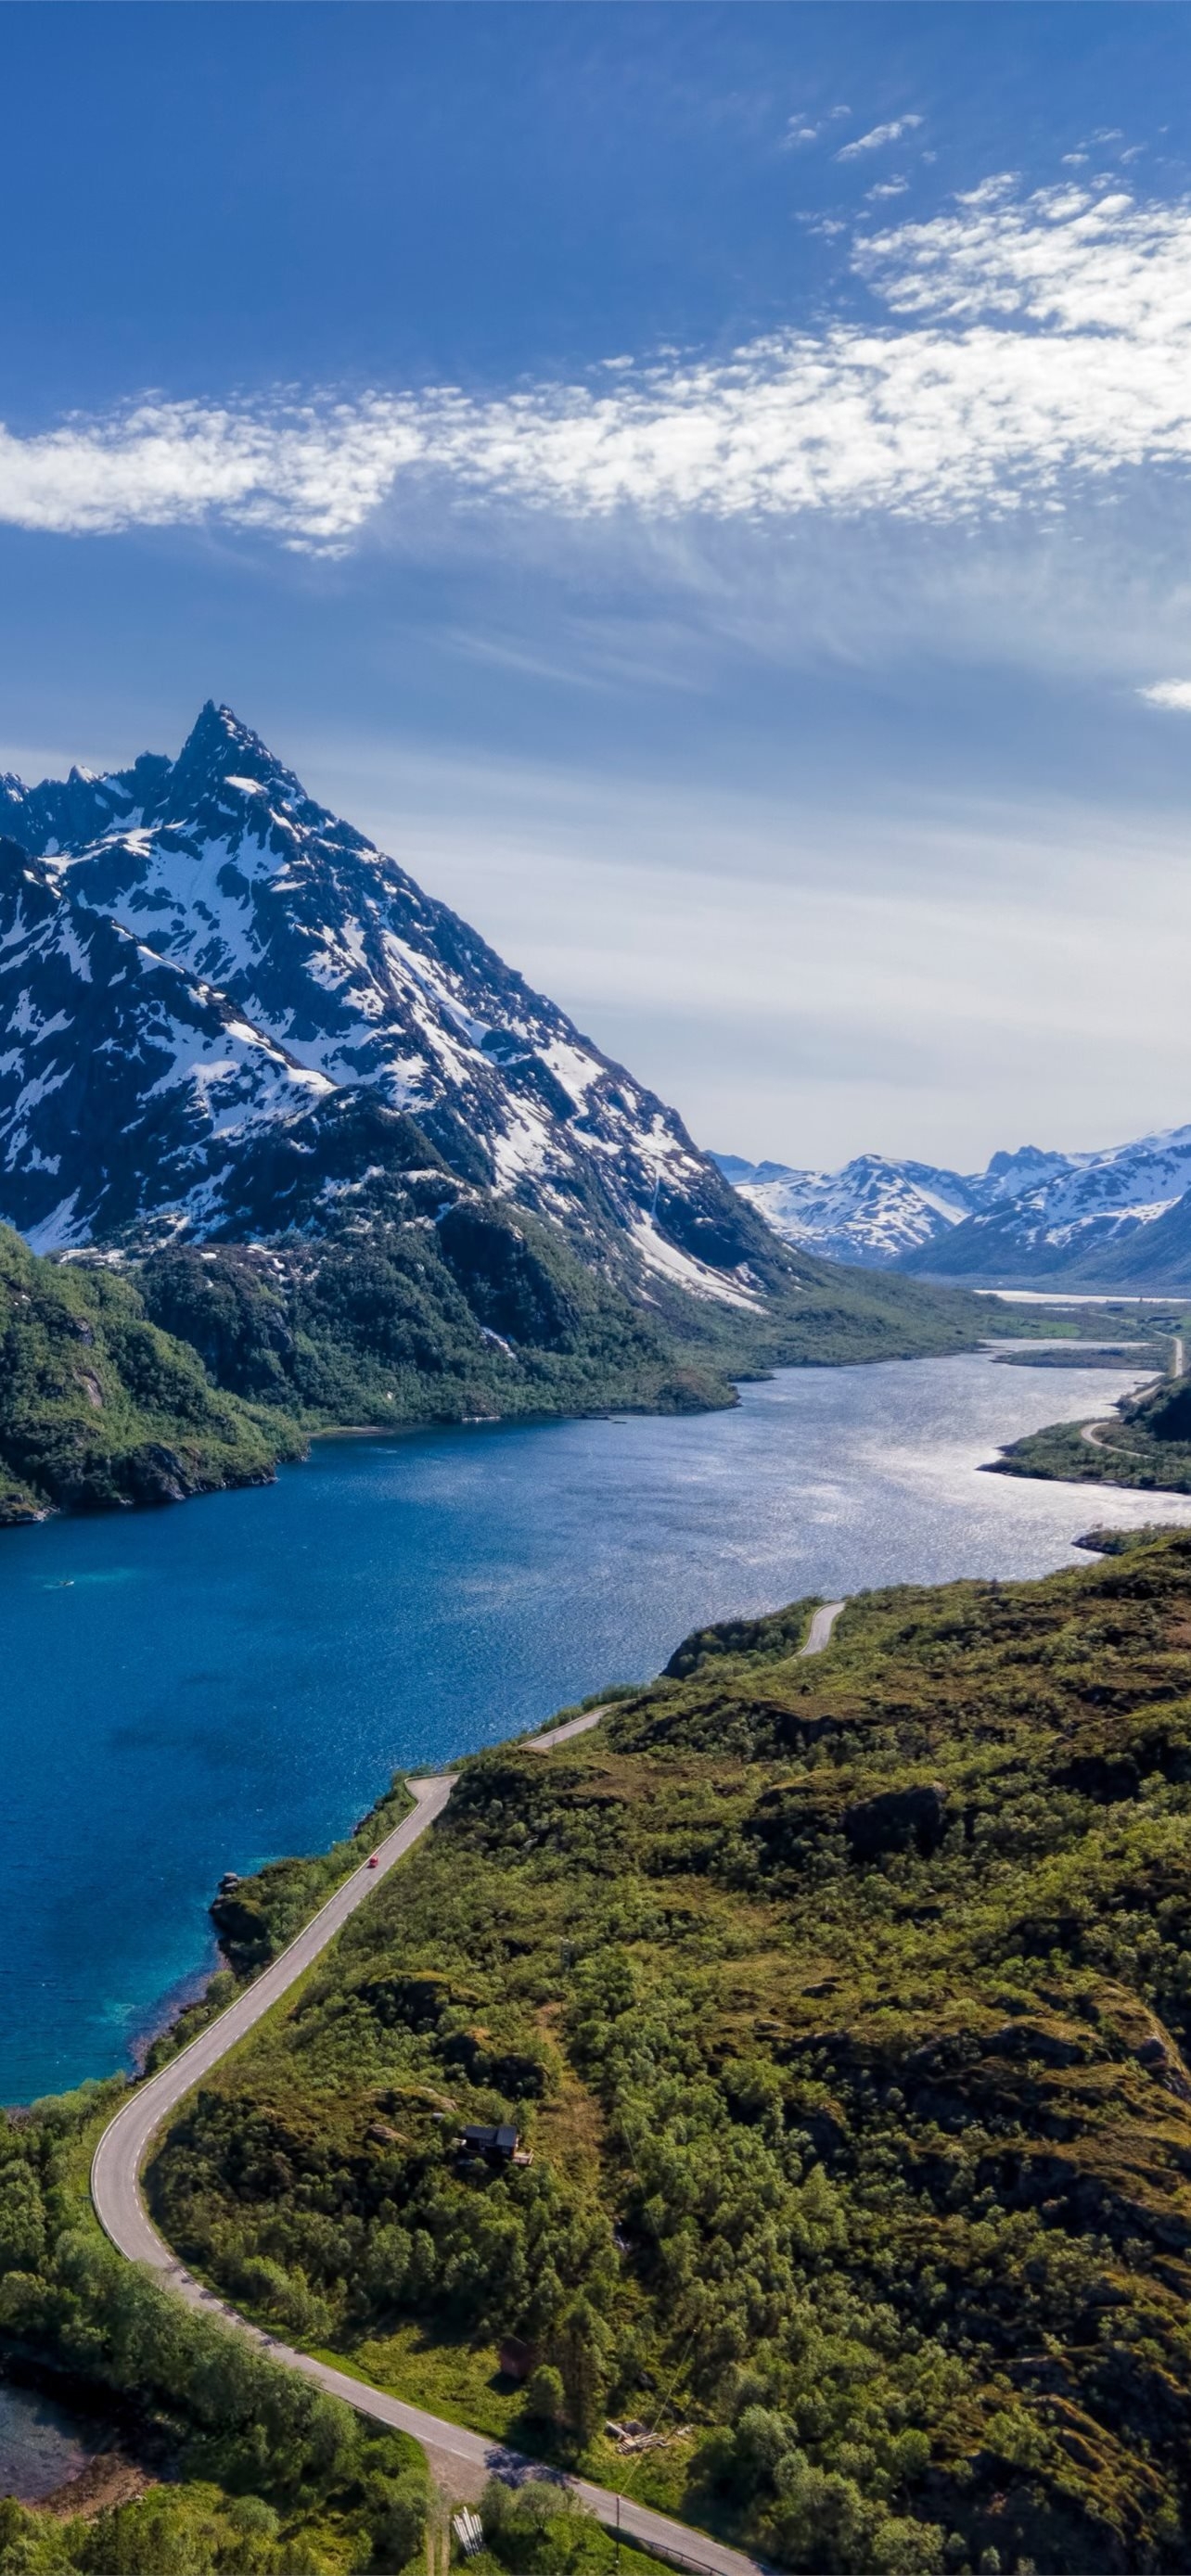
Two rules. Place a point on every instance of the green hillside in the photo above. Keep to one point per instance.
(1145, 1443)
(129, 1380)
(99, 1408)
(843, 2005)
(492, 1312)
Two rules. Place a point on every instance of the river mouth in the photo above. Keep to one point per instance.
(195, 1691)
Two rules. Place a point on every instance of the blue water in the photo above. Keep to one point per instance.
(41, 2443)
(197, 1690)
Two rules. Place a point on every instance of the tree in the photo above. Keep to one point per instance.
(545, 2395)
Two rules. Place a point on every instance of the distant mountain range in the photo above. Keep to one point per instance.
(1120, 1218)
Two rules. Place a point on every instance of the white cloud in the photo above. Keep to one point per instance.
(800, 129)
(886, 188)
(1169, 693)
(877, 136)
(1032, 343)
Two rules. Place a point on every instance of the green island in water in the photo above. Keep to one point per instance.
(840, 2008)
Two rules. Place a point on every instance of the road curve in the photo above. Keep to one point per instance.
(116, 2192)
(819, 1633)
(1093, 1432)
(116, 2165)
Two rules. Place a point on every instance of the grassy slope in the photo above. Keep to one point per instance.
(98, 1407)
(887, 2101)
(389, 1329)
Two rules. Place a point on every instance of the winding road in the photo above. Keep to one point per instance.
(1093, 1432)
(562, 1734)
(120, 2207)
(823, 1621)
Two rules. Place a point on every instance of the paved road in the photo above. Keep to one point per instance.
(115, 2169)
(116, 2192)
(1093, 1432)
(818, 1636)
(819, 1632)
(562, 1734)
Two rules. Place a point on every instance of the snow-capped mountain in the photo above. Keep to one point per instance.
(1029, 1218)
(197, 962)
(1086, 1218)
(873, 1211)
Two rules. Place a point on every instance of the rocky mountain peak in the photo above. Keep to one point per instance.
(215, 953)
(217, 749)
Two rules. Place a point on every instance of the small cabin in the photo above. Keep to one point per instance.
(497, 2146)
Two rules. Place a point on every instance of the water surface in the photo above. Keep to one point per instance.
(41, 2445)
(197, 1690)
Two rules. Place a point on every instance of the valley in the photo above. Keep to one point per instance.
(248, 1671)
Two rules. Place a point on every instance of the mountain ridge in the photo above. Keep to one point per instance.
(340, 1148)
(325, 967)
(1120, 1216)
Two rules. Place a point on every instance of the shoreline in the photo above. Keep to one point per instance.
(515, 1701)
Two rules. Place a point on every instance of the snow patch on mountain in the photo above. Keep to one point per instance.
(193, 952)
(873, 1211)
(1029, 1214)
(685, 1272)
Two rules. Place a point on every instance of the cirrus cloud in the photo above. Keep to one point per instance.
(1027, 345)
(878, 136)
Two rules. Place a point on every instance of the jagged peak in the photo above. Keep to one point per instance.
(219, 746)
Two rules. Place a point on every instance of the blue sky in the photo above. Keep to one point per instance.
(707, 487)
